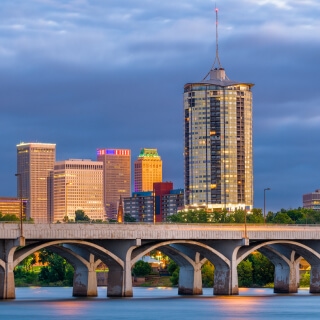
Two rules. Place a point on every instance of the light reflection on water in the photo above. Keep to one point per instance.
(164, 303)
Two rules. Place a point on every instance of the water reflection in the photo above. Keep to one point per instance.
(151, 303)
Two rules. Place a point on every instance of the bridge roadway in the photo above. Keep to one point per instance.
(120, 246)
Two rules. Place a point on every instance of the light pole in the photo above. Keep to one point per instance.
(264, 203)
(20, 196)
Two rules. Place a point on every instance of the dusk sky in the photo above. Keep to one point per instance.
(110, 74)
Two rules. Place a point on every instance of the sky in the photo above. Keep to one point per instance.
(90, 74)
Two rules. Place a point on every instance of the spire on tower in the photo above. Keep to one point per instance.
(216, 72)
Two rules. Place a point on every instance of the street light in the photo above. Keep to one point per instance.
(20, 196)
(264, 203)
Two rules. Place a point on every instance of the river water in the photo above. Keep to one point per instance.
(159, 303)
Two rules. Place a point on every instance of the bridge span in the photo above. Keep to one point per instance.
(120, 246)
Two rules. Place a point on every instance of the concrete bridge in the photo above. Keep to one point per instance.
(120, 246)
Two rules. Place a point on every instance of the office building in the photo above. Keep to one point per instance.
(13, 206)
(312, 200)
(35, 161)
(77, 184)
(147, 170)
(218, 141)
(116, 177)
(156, 205)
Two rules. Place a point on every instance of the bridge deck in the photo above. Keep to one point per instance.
(159, 231)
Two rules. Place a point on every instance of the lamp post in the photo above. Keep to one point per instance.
(20, 196)
(264, 203)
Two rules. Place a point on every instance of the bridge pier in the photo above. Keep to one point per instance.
(7, 285)
(85, 281)
(222, 281)
(190, 280)
(315, 278)
(285, 278)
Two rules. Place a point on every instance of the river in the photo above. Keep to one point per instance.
(159, 303)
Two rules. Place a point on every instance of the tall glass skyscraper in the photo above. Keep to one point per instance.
(218, 141)
(35, 162)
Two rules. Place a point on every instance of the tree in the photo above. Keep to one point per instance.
(262, 269)
(141, 268)
(81, 216)
(57, 269)
(207, 272)
(245, 273)
(129, 218)
(8, 217)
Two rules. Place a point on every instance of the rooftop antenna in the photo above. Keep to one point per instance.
(217, 59)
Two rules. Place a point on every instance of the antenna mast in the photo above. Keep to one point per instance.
(217, 38)
(217, 59)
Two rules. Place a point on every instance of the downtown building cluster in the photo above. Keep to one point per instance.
(218, 164)
(52, 191)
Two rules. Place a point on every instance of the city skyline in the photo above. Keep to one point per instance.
(86, 76)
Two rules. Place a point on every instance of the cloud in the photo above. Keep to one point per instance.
(89, 74)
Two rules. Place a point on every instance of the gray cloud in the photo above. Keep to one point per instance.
(90, 74)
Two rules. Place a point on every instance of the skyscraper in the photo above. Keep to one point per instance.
(77, 185)
(147, 170)
(35, 161)
(218, 141)
(116, 177)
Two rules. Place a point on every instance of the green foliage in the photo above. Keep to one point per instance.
(57, 269)
(305, 280)
(263, 269)
(245, 273)
(256, 216)
(202, 216)
(207, 272)
(173, 269)
(141, 269)
(8, 217)
(81, 216)
(129, 218)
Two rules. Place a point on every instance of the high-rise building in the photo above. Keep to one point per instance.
(312, 200)
(13, 206)
(35, 161)
(156, 205)
(218, 141)
(77, 184)
(147, 170)
(116, 177)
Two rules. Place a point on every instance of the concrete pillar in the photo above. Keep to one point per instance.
(190, 280)
(7, 249)
(315, 278)
(115, 282)
(222, 281)
(85, 281)
(285, 278)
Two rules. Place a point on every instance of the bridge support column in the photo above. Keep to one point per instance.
(115, 282)
(285, 278)
(7, 285)
(315, 279)
(190, 280)
(223, 281)
(85, 281)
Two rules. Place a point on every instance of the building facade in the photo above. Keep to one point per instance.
(156, 205)
(13, 206)
(312, 200)
(116, 177)
(147, 170)
(35, 161)
(77, 184)
(218, 142)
